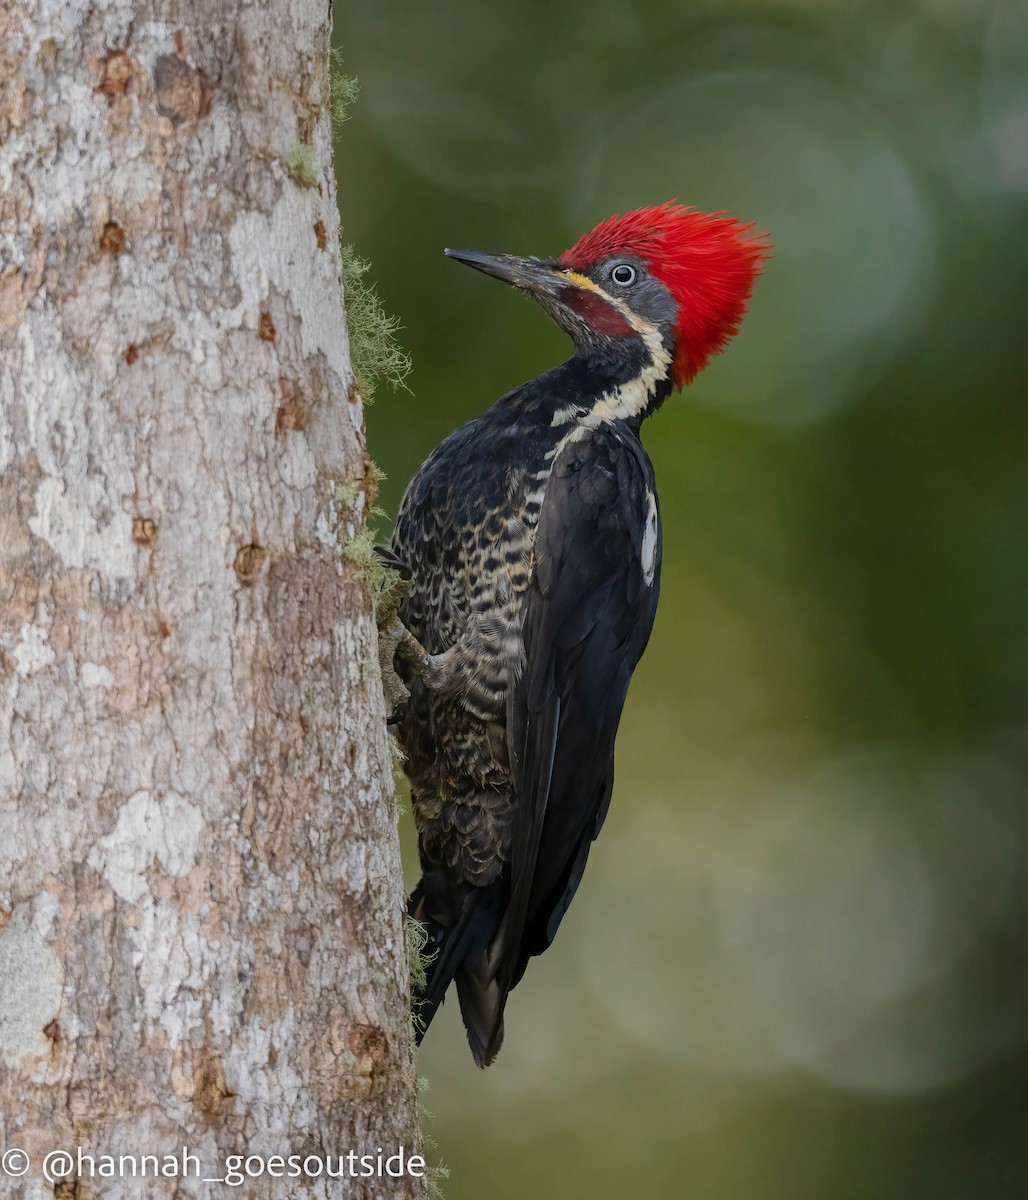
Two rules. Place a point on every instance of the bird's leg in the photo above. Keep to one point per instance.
(394, 638)
(391, 633)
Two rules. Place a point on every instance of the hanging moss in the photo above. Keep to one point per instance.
(366, 566)
(417, 940)
(344, 90)
(375, 354)
(440, 1171)
(436, 1175)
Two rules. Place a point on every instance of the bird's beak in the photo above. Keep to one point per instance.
(529, 274)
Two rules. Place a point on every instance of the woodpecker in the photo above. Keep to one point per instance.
(532, 542)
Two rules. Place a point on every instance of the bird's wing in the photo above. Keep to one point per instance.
(588, 614)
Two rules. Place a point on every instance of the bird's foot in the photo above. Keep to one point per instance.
(395, 640)
(394, 689)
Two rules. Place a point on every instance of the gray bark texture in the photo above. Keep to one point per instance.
(201, 905)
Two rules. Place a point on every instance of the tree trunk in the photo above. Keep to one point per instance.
(202, 940)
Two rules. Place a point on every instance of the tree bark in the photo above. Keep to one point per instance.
(201, 903)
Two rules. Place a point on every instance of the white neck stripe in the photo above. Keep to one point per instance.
(631, 399)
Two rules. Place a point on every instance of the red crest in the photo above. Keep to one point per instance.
(708, 261)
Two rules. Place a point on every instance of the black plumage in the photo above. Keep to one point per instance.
(534, 551)
(532, 537)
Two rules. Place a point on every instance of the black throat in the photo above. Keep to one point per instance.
(588, 387)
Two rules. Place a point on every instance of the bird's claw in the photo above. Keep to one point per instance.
(389, 559)
(394, 638)
(393, 688)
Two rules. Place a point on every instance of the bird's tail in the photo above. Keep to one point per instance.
(458, 951)
(481, 1005)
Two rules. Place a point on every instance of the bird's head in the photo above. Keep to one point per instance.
(669, 281)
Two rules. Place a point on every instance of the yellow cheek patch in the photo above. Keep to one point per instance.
(583, 281)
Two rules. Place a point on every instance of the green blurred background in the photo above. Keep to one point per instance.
(797, 966)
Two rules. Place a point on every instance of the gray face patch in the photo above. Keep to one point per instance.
(644, 295)
(627, 296)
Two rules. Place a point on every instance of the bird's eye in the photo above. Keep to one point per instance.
(623, 274)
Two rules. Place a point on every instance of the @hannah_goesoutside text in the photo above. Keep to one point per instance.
(233, 1170)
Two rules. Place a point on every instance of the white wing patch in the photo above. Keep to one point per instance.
(648, 550)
